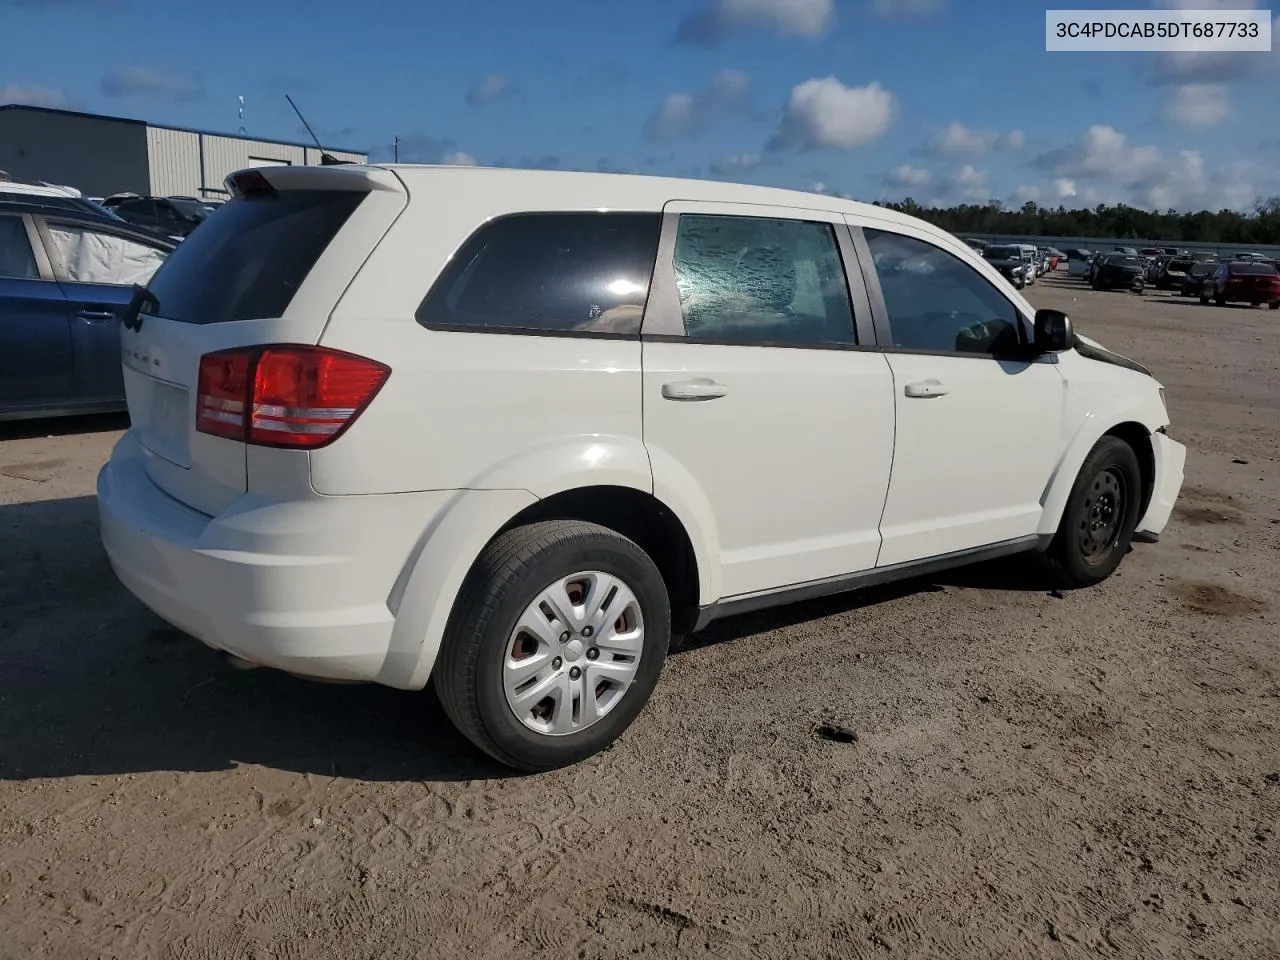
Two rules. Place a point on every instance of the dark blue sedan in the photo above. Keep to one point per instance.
(66, 278)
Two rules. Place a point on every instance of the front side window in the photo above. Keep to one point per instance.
(761, 280)
(549, 273)
(938, 303)
(92, 257)
(17, 262)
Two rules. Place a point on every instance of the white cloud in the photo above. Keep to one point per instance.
(688, 114)
(32, 96)
(1065, 187)
(489, 89)
(1199, 105)
(825, 114)
(906, 175)
(736, 164)
(1102, 152)
(457, 158)
(956, 139)
(802, 18)
(1026, 193)
(1212, 66)
(906, 8)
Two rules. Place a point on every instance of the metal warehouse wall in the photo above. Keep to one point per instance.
(96, 155)
(184, 163)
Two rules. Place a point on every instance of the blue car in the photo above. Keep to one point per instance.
(66, 278)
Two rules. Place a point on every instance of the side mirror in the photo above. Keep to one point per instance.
(1053, 332)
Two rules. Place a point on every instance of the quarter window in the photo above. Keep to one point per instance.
(17, 262)
(760, 280)
(938, 303)
(557, 272)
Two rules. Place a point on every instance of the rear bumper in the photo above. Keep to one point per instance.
(304, 586)
(1170, 459)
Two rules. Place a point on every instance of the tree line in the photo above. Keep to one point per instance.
(1260, 225)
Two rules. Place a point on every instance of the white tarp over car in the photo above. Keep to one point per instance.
(92, 257)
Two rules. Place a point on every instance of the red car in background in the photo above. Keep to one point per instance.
(1249, 281)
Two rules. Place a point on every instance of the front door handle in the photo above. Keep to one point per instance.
(926, 388)
(700, 389)
(96, 316)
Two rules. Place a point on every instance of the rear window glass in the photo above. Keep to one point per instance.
(1253, 269)
(555, 272)
(248, 262)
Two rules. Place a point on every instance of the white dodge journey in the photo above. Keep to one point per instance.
(508, 431)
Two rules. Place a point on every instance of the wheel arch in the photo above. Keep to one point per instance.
(642, 518)
(1129, 425)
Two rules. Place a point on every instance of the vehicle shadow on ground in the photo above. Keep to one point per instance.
(92, 683)
(63, 426)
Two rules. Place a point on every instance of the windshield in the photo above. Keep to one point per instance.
(1002, 253)
(1203, 268)
(1124, 261)
(190, 208)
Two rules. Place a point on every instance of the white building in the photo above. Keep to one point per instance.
(103, 155)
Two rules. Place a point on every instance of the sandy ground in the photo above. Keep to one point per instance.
(1035, 776)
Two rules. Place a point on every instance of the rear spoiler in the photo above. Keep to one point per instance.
(263, 181)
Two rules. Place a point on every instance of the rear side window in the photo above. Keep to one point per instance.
(248, 262)
(549, 273)
(17, 262)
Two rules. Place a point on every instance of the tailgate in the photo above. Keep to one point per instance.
(266, 268)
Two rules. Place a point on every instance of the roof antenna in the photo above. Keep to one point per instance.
(326, 159)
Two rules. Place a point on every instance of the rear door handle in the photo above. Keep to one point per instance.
(926, 388)
(96, 316)
(700, 389)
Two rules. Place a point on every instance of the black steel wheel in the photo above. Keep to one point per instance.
(1100, 516)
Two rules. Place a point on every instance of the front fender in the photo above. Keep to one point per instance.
(1096, 423)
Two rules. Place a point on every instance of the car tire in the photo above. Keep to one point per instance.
(1274, 305)
(1204, 299)
(1099, 519)
(475, 674)
(1220, 301)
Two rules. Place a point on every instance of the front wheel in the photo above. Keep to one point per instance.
(554, 645)
(1099, 518)
(1274, 305)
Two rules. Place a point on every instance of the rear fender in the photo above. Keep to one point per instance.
(428, 588)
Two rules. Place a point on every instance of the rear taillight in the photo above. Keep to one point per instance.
(284, 395)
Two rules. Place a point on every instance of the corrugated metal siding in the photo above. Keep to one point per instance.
(174, 159)
(180, 158)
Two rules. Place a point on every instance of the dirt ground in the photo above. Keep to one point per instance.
(1096, 774)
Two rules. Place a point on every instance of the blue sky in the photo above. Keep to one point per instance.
(943, 100)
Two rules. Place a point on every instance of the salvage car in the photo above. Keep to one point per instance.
(66, 279)
(1010, 261)
(1248, 281)
(302, 489)
(1120, 270)
(1171, 271)
(1194, 278)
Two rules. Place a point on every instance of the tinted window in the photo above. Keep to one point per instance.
(1253, 269)
(16, 259)
(1002, 253)
(756, 280)
(137, 208)
(937, 302)
(89, 256)
(249, 261)
(561, 272)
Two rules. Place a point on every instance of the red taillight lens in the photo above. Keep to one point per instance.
(284, 396)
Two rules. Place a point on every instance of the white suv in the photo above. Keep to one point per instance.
(508, 431)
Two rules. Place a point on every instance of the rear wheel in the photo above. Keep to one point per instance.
(1274, 305)
(1100, 516)
(554, 645)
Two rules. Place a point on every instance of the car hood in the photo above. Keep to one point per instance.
(1096, 351)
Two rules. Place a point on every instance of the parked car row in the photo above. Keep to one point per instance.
(1020, 263)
